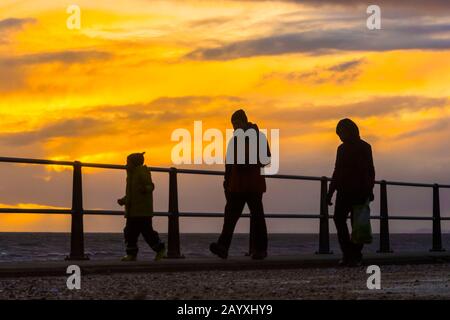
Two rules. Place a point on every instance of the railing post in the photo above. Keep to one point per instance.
(385, 246)
(77, 233)
(173, 251)
(324, 232)
(437, 235)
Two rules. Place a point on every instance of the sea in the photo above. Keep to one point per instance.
(106, 246)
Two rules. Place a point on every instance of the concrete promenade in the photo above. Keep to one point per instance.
(58, 268)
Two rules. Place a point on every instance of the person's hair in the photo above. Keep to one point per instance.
(239, 115)
(347, 128)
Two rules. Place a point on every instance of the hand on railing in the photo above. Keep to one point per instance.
(329, 198)
(121, 201)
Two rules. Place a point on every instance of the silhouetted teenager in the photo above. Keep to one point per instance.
(353, 178)
(244, 184)
(138, 202)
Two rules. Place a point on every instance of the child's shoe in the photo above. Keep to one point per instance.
(128, 257)
(160, 254)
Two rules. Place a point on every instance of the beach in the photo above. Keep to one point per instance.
(428, 281)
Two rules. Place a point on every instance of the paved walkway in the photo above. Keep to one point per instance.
(58, 268)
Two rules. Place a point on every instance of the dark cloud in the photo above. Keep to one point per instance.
(14, 23)
(435, 126)
(341, 26)
(12, 73)
(191, 108)
(340, 73)
(65, 57)
(169, 102)
(10, 78)
(346, 66)
(398, 37)
(419, 5)
(65, 128)
(111, 120)
(171, 108)
(210, 22)
(13, 69)
(377, 106)
(10, 25)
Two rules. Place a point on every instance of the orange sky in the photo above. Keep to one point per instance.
(138, 69)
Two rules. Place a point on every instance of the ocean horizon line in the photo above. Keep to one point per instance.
(207, 233)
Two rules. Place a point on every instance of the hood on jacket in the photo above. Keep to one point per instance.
(253, 126)
(135, 160)
(347, 130)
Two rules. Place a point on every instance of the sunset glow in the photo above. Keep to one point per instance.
(138, 69)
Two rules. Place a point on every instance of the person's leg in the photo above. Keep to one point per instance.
(254, 201)
(233, 210)
(150, 235)
(356, 249)
(251, 246)
(131, 234)
(341, 210)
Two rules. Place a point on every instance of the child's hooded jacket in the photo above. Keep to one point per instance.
(139, 190)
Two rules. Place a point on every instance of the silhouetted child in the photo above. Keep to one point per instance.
(138, 202)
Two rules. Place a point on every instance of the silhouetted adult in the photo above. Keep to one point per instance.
(244, 184)
(353, 178)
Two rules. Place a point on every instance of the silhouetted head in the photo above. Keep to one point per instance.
(239, 120)
(135, 160)
(347, 130)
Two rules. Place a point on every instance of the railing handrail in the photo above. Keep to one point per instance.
(202, 171)
(77, 211)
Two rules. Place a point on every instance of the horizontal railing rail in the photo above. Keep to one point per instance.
(77, 211)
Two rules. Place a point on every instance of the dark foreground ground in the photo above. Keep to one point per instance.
(427, 281)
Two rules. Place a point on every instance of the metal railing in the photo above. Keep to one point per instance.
(77, 211)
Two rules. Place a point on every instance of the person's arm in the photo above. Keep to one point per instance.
(230, 158)
(146, 182)
(336, 176)
(371, 175)
(268, 154)
(122, 201)
(227, 176)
